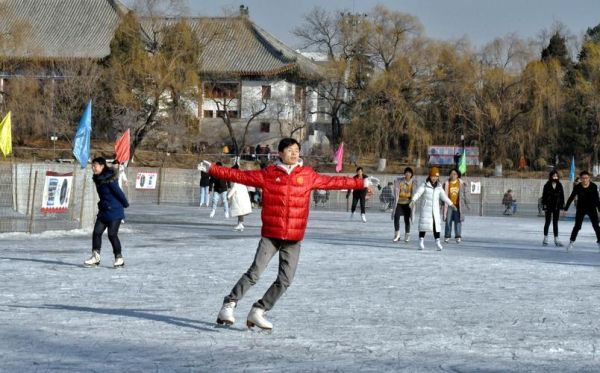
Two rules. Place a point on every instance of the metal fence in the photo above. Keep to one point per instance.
(22, 186)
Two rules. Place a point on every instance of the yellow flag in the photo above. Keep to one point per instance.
(5, 136)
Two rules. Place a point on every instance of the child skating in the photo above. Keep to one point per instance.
(286, 189)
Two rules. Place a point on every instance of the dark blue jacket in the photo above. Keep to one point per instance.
(112, 199)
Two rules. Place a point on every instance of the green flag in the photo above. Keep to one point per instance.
(462, 163)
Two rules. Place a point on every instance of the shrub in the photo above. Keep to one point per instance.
(508, 164)
(540, 164)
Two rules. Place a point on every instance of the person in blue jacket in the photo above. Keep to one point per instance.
(110, 211)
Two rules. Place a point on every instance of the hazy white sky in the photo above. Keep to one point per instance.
(479, 20)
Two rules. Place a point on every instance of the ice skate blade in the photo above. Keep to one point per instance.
(224, 322)
(91, 265)
(119, 266)
(250, 325)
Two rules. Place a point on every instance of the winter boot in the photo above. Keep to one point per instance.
(438, 244)
(397, 236)
(363, 217)
(212, 213)
(94, 260)
(570, 245)
(421, 244)
(256, 317)
(239, 227)
(557, 242)
(407, 237)
(225, 316)
(458, 240)
(545, 242)
(119, 262)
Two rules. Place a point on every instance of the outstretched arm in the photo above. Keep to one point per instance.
(338, 182)
(251, 178)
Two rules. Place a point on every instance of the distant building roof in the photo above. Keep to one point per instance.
(55, 29)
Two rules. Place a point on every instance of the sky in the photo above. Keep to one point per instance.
(480, 20)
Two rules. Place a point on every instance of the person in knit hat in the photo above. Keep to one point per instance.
(433, 193)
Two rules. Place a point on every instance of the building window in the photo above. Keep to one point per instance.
(220, 113)
(266, 92)
(265, 127)
(222, 90)
(208, 113)
(233, 114)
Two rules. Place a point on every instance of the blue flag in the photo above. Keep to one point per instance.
(81, 144)
(572, 170)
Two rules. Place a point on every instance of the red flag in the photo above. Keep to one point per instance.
(339, 157)
(122, 148)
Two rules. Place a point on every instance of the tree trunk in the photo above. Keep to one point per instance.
(498, 169)
(381, 163)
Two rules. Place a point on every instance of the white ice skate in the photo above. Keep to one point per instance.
(421, 244)
(363, 217)
(119, 262)
(351, 216)
(239, 227)
(446, 239)
(94, 260)
(226, 214)
(225, 316)
(570, 245)
(438, 245)
(397, 236)
(458, 240)
(212, 213)
(557, 242)
(545, 242)
(256, 317)
(407, 237)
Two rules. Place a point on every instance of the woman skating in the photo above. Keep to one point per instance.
(553, 201)
(456, 190)
(430, 220)
(359, 195)
(239, 202)
(110, 211)
(404, 189)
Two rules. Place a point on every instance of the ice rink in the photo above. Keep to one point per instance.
(360, 303)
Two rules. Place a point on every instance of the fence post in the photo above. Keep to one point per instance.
(15, 181)
(160, 181)
(29, 188)
(31, 216)
(82, 198)
(73, 194)
(481, 199)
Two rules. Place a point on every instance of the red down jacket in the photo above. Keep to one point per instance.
(285, 197)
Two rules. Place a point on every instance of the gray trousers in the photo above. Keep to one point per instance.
(289, 253)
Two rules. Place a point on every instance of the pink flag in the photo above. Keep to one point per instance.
(339, 157)
(122, 148)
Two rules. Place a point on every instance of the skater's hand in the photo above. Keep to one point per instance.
(206, 164)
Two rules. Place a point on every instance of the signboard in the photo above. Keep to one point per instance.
(475, 187)
(146, 180)
(445, 155)
(57, 191)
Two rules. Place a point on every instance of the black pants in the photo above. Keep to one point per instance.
(113, 235)
(552, 215)
(436, 234)
(362, 198)
(579, 215)
(405, 210)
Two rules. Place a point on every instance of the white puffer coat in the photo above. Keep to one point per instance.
(430, 205)
(239, 198)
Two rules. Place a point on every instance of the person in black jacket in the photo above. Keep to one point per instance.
(110, 211)
(553, 201)
(204, 187)
(359, 195)
(587, 204)
(219, 188)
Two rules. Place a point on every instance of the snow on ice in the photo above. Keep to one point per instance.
(499, 301)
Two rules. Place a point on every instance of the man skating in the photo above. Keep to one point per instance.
(587, 204)
(286, 188)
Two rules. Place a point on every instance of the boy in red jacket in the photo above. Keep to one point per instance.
(286, 188)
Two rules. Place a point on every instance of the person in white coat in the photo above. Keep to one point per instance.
(430, 219)
(239, 203)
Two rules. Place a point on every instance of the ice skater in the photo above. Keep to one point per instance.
(239, 202)
(429, 220)
(110, 212)
(404, 189)
(456, 190)
(204, 187)
(359, 195)
(553, 201)
(219, 188)
(588, 204)
(286, 187)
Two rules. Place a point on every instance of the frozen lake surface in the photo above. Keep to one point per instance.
(497, 302)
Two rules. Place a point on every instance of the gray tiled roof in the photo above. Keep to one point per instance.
(84, 28)
(60, 28)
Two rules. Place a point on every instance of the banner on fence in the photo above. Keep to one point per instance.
(475, 187)
(450, 155)
(146, 180)
(57, 190)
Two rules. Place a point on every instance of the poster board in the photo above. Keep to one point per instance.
(146, 180)
(475, 187)
(57, 191)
